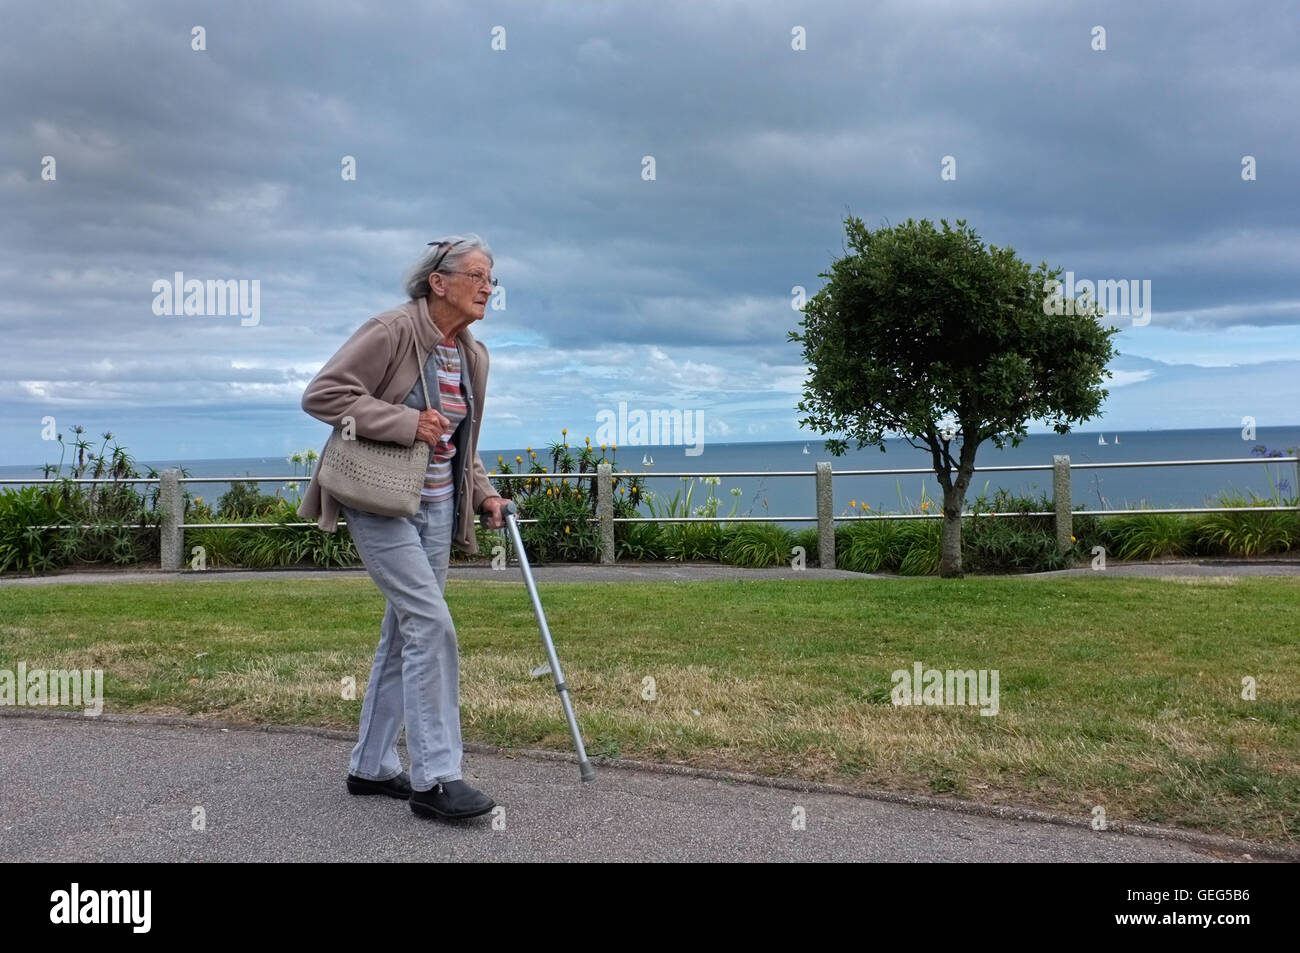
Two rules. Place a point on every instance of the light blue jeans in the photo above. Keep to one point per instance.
(415, 679)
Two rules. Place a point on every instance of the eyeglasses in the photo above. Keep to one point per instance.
(478, 277)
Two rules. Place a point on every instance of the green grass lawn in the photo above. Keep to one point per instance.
(1119, 692)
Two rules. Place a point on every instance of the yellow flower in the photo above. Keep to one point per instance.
(563, 431)
(519, 459)
(615, 447)
(853, 504)
(566, 531)
(602, 446)
(500, 459)
(865, 507)
(531, 453)
(1073, 540)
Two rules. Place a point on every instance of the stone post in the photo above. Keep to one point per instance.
(1061, 499)
(172, 548)
(605, 510)
(825, 517)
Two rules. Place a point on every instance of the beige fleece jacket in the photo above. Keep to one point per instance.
(367, 379)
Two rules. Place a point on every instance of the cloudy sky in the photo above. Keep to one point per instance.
(226, 163)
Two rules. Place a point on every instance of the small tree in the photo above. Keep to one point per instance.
(934, 336)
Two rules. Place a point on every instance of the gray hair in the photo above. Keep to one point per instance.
(417, 278)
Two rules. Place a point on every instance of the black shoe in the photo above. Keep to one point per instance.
(398, 786)
(451, 800)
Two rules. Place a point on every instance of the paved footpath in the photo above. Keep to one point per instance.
(124, 788)
(659, 572)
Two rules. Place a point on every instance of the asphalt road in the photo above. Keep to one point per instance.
(80, 789)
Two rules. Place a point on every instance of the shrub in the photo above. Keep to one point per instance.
(21, 546)
(1003, 545)
(273, 547)
(120, 525)
(1248, 534)
(759, 545)
(642, 541)
(922, 539)
(1149, 536)
(564, 530)
(243, 501)
(1021, 543)
(694, 541)
(1088, 532)
(810, 540)
(565, 509)
(869, 546)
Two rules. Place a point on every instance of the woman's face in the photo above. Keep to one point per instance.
(463, 288)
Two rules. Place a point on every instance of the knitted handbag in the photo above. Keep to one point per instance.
(373, 476)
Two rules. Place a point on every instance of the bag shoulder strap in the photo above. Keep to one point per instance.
(424, 384)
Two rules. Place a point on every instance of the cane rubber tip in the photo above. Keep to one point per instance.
(587, 770)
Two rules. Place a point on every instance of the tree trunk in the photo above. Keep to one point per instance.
(950, 541)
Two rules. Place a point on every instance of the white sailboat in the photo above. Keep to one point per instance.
(1117, 438)
(805, 448)
(1101, 440)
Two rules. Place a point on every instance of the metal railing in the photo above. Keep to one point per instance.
(1062, 512)
(172, 527)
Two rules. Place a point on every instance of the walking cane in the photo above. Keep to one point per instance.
(511, 511)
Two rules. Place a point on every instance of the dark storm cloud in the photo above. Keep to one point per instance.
(225, 164)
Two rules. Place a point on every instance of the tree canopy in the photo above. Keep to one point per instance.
(937, 337)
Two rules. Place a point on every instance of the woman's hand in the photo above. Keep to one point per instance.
(432, 427)
(494, 509)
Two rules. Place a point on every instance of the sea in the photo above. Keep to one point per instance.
(795, 496)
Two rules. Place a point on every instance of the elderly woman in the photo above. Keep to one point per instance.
(374, 378)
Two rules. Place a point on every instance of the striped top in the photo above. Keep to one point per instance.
(438, 481)
(444, 364)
